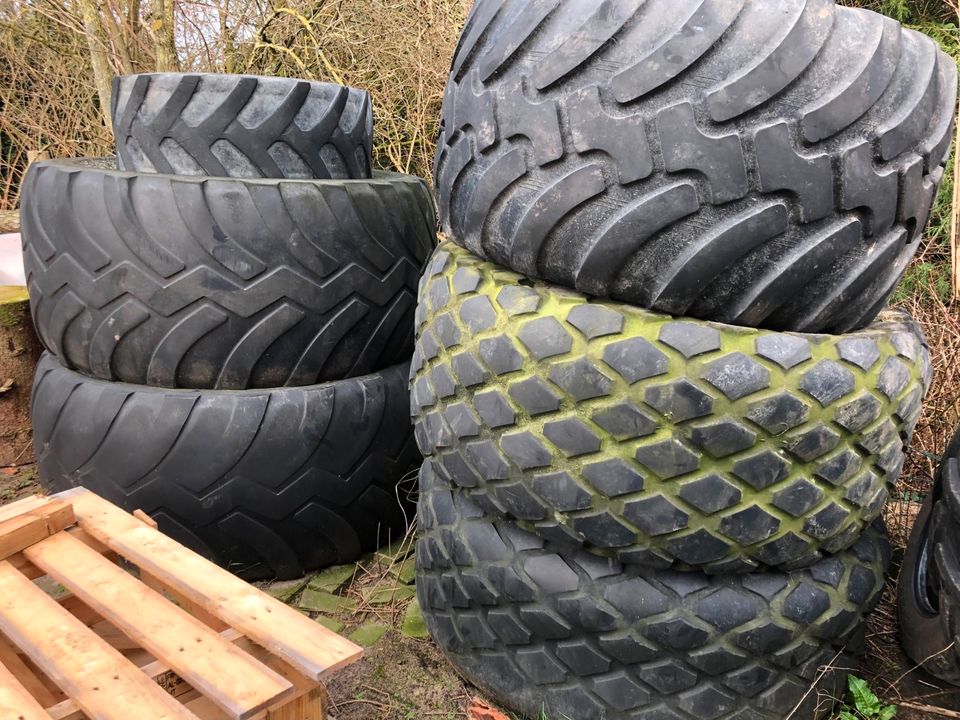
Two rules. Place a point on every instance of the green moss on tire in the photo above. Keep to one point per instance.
(577, 636)
(658, 440)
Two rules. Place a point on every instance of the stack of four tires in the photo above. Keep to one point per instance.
(228, 316)
(659, 413)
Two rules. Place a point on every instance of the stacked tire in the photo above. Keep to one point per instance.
(228, 310)
(659, 398)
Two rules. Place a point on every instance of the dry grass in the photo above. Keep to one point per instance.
(48, 102)
(940, 321)
(399, 50)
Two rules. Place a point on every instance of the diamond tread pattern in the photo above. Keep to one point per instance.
(654, 440)
(930, 601)
(762, 163)
(241, 126)
(223, 283)
(267, 483)
(574, 635)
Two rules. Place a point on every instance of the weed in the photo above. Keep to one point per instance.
(925, 278)
(864, 703)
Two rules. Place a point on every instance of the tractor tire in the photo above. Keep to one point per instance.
(767, 163)
(222, 283)
(266, 483)
(570, 635)
(929, 587)
(656, 440)
(241, 126)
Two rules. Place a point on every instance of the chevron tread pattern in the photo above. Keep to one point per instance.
(546, 632)
(658, 441)
(241, 126)
(269, 483)
(223, 283)
(564, 122)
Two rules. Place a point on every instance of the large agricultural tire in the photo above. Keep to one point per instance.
(656, 440)
(267, 483)
(929, 587)
(222, 283)
(571, 635)
(241, 126)
(768, 163)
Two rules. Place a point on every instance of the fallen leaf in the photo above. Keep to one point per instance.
(9, 471)
(7, 386)
(479, 710)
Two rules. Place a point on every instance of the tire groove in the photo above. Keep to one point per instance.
(657, 440)
(191, 124)
(199, 317)
(744, 105)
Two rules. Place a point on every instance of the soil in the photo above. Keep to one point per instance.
(399, 679)
(19, 352)
(18, 482)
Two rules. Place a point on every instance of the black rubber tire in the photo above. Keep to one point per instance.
(768, 163)
(267, 483)
(929, 587)
(655, 440)
(222, 283)
(577, 636)
(241, 126)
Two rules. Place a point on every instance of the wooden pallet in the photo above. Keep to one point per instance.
(103, 617)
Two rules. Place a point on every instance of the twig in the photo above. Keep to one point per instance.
(813, 686)
(943, 712)
(955, 226)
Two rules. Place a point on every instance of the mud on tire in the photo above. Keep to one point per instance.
(267, 483)
(655, 440)
(757, 162)
(222, 283)
(241, 126)
(578, 636)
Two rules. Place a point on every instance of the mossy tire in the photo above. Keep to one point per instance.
(929, 587)
(768, 163)
(659, 440)
(572, 635)
(267, 483)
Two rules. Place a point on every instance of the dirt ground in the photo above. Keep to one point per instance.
(18, 482)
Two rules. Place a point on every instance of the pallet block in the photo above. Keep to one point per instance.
(102, 617)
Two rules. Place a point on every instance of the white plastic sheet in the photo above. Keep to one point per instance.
(11, 260)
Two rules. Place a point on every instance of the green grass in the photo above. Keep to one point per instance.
(929, 276)
(908, 11)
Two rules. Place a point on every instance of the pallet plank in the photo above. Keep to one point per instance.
(33, 522)
(25, 676)
(154, 669)
(18, 507)
(234, 681)
(308, 646)
(101, 681)
(16, 701)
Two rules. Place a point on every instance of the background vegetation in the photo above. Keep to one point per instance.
(57, 56)
(52, 93)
